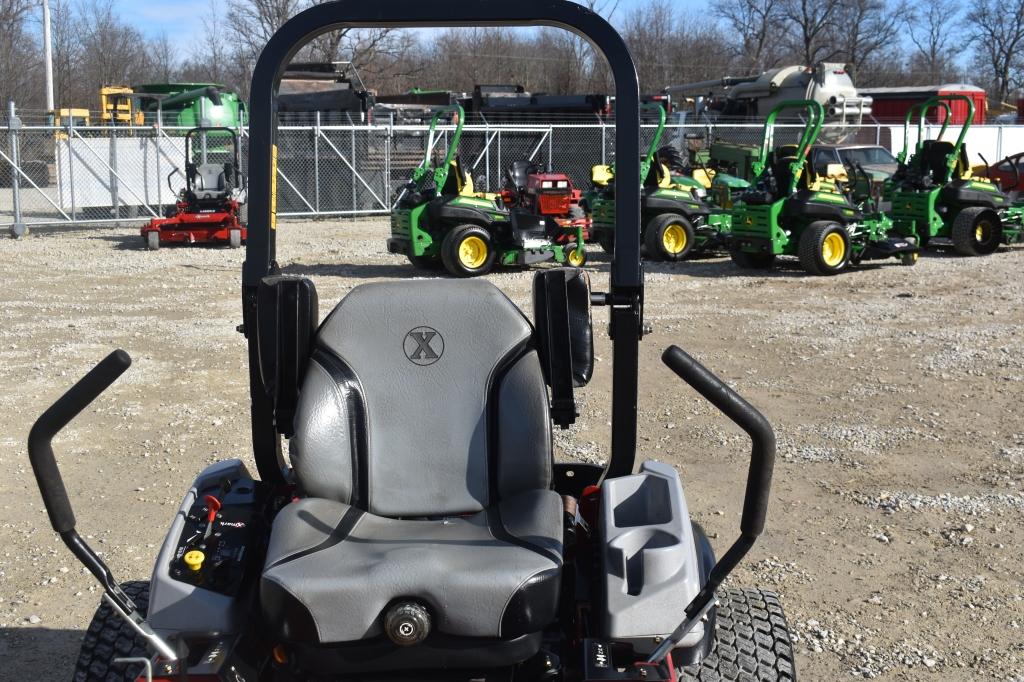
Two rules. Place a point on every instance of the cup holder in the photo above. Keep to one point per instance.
(643, 501)
(647, 556)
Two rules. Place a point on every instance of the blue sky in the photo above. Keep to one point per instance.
(184, 18)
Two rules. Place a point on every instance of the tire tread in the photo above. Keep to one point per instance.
(751, 641)
(108, 637)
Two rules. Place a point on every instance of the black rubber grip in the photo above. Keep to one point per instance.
(732, 405)
(67, 407)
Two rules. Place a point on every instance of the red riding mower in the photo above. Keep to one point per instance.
(208, 207)
(551, 196)
(419, 528)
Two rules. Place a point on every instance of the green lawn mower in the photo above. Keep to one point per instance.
(439, 220)
(791, 211)
(676, 220)
(417, 526)
(935, 198)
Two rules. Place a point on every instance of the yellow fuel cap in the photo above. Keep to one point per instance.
(194, 559)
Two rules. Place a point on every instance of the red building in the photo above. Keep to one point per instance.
(890, 105)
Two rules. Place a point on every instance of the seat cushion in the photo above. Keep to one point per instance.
(332, 570)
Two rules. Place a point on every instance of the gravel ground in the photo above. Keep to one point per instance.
(895, 533)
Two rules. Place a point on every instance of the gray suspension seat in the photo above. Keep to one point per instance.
(209, 181)
(422, 451)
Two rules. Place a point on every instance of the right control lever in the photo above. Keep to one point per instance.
(759, 481)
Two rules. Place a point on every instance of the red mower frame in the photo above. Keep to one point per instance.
(201, 215)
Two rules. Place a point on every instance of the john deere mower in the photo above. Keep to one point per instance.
(791, 211)
(936, 199)
(676, 221)
(438, 219)
(419, 528)
(207, 210)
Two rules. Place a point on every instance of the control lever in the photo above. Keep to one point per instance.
(213, 505)
(759, 481)
(55, 495)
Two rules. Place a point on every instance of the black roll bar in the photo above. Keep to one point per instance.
(626, 295)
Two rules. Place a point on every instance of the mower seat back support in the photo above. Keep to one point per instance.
(422, 448)
(209, 181)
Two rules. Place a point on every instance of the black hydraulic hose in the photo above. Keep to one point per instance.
(67, 407)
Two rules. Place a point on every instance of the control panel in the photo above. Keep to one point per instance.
(220, 527)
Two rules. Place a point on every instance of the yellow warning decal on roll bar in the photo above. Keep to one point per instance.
(273, 187)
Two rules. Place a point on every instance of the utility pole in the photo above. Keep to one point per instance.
(48, 59)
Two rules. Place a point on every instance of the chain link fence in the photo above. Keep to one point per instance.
(52, 175)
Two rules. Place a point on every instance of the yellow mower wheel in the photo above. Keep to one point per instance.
(833, 249)
(473, 252)
(467, 251)
(824, 248)
(577, 257)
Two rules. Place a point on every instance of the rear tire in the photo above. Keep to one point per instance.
(976, 231)
(824, 248)
(153, 240)
(467, 251)
(110, 637)
(235, 238)
(752, 261)
(669, 237)
(607, 243)
(751, 641)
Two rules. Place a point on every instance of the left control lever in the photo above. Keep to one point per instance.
(55, 494)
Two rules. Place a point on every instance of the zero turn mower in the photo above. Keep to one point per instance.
(936, 199)
(439, 220)
(419, 528)
(207, 210)
(676, 221)
(790, 211)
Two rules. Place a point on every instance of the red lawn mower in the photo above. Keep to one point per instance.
(551, 195)
(207, 209)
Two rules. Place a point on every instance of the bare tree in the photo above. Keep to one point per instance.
(164, 60)
(928, 25)
(996, 29)
(867, 27)
(18, 56)
(812, 23)
(758, 23)
(112, 52)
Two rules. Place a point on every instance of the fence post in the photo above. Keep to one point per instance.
(316, 163)
(17, 230)
(115, 199)
(355, 204)
(551, 134)
(71, 169)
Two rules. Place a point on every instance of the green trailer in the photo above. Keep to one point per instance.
(935, 198)
(440, 221)
(676, 220)
(791, 211)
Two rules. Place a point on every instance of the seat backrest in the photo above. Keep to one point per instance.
(423, 398)
(935, 154)
(519, 172)
(457, 178)
(209, 177)
(783, 173)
